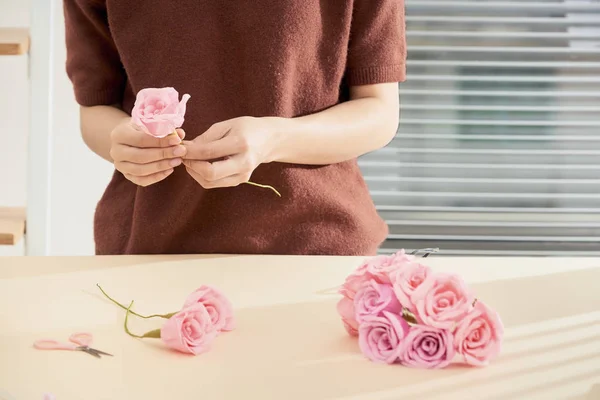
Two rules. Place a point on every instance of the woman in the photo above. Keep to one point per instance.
(287, 92)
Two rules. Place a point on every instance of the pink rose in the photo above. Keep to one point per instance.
(352, 284)
(218, 306)
(382, 267)
(427, 347)
(406, 280)
(49, 396)
(158, 112)
(378, 268)
(189, 331)
(478, 338)
(345, 308)
(374, 298)
(379, 337)
(442, 300)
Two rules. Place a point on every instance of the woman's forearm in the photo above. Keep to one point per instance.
(365, 123)
(97, 123)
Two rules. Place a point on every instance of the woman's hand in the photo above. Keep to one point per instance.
(229, 151)
(143, 159)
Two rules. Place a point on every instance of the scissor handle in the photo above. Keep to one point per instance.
(81, 338)
(48, 344)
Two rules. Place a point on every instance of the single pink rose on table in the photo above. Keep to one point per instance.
(158, 111)
(345, 308)
(427, 347)
(406, 280)
(373, 299)
(478, 338)
(442, 300)
(218, 306)
(189, 331)
(380, 337)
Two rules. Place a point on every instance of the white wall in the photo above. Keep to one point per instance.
(78, 176)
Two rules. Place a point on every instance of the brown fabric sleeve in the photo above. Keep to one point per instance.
(93, 63)
(377, 49)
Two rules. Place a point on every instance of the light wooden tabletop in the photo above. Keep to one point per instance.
(289, 343)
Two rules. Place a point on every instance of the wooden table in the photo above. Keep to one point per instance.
(289, 343)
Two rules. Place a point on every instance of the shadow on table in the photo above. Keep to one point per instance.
(306, 343)
(309, 336)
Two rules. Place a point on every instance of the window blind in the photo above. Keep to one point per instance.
(498, 148)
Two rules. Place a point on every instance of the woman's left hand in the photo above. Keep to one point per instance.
(229, 151)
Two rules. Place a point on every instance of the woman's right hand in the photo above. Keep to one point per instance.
(143, 159)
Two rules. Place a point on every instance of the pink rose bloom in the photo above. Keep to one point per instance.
(352, 284)
(189, 331)
(379, 337)
(218, 306)
(442, 300)
(374, 298)
(378, 268)
(406, 280)
(427, 347)
(49, 396)
(345, 308)
(158, 112)
(381, 268)
(478, 338)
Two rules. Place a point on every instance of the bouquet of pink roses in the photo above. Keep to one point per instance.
(403, 312)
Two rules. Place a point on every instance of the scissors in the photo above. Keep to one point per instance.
(82, 342)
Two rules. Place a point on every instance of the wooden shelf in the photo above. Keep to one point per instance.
(14, 41)
(12, 225)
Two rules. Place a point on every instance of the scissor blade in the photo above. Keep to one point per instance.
(100, 352)
(89, 351)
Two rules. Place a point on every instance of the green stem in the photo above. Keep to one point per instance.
(127, 318)
(166, 316)
(152, 334)
(264, 187)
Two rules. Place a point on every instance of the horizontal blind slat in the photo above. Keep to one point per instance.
(518, 6)
(591, 239)
(505, 78)
(528, 138)
(503, 49)
(501, 20)
(501, 210)
(518, 181)
(446, 107)
(483, 122)
(505, 64)
(500, 93)
(395, 164)
(502, 34)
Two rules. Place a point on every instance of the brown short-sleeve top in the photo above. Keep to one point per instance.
(258, 58)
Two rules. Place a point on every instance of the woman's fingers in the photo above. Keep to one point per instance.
(147, 169)
(203, 150)
(133, 136)
(146, 155)
(230, 181)
(214, 171)
(150, 179)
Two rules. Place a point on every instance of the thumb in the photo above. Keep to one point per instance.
(216, 131)
(180, 133)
